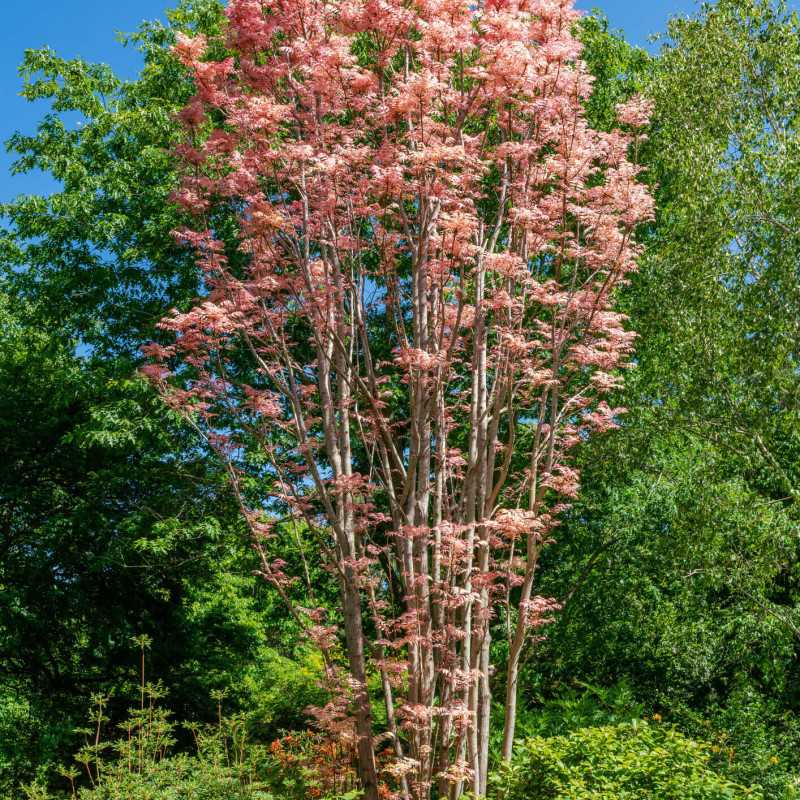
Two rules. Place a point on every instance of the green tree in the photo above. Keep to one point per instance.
(113, 523)
(679, 566)
(98, 254)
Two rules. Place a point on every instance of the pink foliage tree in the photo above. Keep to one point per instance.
(430, 242)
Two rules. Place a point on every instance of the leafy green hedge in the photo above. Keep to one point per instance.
(622, 762)
(179, 777)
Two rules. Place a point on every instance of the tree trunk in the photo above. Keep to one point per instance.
(367, 771)
(514, 655)
(512, 681)
(485, 711)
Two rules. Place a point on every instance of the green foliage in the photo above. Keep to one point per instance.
(141, 762)
(29, 742)
(678, 566)
(619, 69)
(140, 758)
(679, 563)
(620, 762)
(667, 571)
(98, 255)
(717, 300)
(107, 535)
(113, 522)
(757, 737)
(580, 706)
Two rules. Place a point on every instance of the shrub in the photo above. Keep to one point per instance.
(142, 761)
(29, 741)
(621, 762)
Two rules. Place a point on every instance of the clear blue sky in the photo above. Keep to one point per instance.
(87, 28)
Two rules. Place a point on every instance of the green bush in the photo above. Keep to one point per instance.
(580, 705)
(140, 759)
(622, 762)
(179, 777)
(758, 737)
(29, 742)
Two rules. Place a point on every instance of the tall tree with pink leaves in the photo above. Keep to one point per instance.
(416, 332)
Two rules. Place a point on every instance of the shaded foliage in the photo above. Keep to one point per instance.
(114, 523)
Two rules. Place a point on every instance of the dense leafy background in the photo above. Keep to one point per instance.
(678, 568)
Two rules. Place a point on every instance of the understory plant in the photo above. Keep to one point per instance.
(148, 756)
(631, 761)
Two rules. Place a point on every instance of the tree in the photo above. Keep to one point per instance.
(725, 156)
(427, 170)
(95, 255)
(105, 535)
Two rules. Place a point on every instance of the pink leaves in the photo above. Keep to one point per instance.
(411, 359)
(257, 115)
(250, 28)
(416, 95)
(509, 265)
(604, 418)
(563, 480)
(156, 373)
(190, 49)
(539, 611)
(194, 114)
(266, 404)
(349, 484)
(636, 112)
(515, 523)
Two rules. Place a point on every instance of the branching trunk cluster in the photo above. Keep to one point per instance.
(433, 238)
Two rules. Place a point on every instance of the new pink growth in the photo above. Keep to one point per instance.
(433, 238)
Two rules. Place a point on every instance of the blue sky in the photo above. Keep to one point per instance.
(86, 28)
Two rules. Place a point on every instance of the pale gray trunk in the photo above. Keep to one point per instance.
(354, 636)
